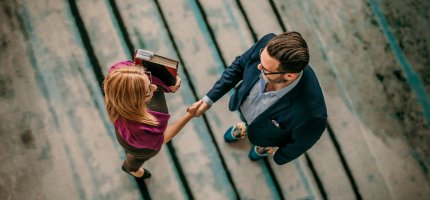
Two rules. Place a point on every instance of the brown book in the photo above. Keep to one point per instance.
(165, 69)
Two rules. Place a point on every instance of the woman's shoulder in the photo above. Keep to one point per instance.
(159, 115)
(162, 118)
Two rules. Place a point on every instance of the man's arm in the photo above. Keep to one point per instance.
(304, 137)
(231, 76)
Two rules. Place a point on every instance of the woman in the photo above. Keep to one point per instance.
(140, 123)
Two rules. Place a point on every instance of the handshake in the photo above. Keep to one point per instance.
(198, 108)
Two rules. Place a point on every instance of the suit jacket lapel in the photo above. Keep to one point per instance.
(248, 88)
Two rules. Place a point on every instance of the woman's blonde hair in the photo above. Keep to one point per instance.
(126, 94)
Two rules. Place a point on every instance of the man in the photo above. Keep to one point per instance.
(277, 95)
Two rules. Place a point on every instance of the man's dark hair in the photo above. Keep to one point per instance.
(291, 50)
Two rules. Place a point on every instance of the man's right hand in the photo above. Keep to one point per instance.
(202, 108)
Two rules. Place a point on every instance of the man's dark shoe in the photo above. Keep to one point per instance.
(235, 133)
(254, 155)
(229, 135)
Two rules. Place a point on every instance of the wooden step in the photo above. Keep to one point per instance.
(68, 150)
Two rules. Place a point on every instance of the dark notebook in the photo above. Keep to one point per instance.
(165, 69)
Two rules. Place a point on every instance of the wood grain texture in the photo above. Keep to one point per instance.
(56, 141)
(62, 140)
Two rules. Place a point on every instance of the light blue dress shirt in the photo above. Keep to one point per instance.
(258, 100)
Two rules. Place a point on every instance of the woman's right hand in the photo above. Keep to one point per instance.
(194, 107)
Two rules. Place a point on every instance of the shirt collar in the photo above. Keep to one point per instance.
(283, 91)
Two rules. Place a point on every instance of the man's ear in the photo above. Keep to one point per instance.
(291, 76)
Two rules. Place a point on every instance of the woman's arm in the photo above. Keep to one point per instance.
(174, 128)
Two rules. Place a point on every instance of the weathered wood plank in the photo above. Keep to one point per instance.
(194, 148)
(332, 31)
(261, 17)
(295, 179)
(103, 31)
(52, 124)
(403, 25)
(330, 170)
(228, 25)
(102, 28)
(204, 65)
(323, 154)
(231, 33)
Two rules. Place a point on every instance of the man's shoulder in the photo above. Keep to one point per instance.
(309, 75)
(265, 39)
(311, 97)
(253, 52)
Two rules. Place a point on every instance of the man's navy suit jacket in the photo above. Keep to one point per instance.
(294, 123)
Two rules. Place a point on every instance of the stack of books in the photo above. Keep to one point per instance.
(165, 69)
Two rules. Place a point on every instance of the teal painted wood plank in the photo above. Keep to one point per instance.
(401, 23)
(204, 65)
(54, 109)
(194, 148)
(379, 136)
(229, 27)
(261, 17)
(295, 179)
(109, 47)
(104, 34)
(412, 58)
(26, 124)
(330, 170)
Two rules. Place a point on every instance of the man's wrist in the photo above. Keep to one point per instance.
(207, 100)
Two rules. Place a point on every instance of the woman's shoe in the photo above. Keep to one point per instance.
(145, 175)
